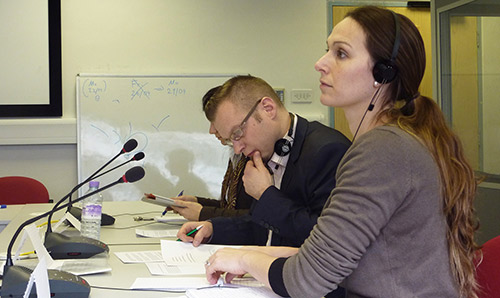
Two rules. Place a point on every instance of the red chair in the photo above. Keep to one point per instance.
(488, 269)
(22, 190)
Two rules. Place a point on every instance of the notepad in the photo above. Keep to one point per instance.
(159, 200)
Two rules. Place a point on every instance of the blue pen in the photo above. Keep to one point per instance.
(3, 206)
(180, 194)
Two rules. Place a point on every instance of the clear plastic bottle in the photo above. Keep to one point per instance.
(91, 213)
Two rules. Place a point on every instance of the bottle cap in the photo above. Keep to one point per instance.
(94, 184)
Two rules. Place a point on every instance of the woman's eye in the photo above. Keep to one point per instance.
(341, 54)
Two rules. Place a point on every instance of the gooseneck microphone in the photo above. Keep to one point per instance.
(106, 219)
(79, 247)
(127, 147)
(138, 156)
(62, 284)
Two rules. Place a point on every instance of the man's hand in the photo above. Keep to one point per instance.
(199, 237)
(256, 178)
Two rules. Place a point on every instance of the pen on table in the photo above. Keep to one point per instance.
(192, 231)
(165, 211)
(3, 206)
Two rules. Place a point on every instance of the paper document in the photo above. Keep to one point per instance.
(228, 292)
(169, 283)
(40, 277)
(159, 200)
(69, 217)
(161, 268)
(96, 264)
(199, 283)
(170, 218)
(156, 233)
(139, 256)
(180, 253)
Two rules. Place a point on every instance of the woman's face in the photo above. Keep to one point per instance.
(346, 69)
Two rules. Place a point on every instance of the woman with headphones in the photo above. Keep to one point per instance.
(400, 222)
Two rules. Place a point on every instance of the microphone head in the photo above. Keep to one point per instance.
(129, 146)
(138, 156)
(133, 175)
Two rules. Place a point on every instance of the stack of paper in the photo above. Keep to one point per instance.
(199, 287)
(184, 259)
(180, 253)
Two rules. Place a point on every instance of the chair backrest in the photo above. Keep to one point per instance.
(22, 190)
(488, 270)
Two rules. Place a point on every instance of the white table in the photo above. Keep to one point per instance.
(119, 237)
(8, 213)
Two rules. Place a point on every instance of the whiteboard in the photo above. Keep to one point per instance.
(164, 114)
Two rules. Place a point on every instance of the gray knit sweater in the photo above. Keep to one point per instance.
(382, 231)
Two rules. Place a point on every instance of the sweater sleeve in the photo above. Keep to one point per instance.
(208, 202)
(372, 182)
(275, 277)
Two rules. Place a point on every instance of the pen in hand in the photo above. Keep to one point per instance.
(166, 209)
(192, 231)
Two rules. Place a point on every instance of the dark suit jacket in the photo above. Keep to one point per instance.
(291, 211)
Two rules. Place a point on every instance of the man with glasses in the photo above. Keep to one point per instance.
(233, 200)
(291, 172)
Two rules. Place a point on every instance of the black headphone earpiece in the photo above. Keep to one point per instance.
(283, 146)
(385, 71)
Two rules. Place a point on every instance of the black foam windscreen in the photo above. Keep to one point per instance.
(134, 174)
(129, 145)
(385, 71)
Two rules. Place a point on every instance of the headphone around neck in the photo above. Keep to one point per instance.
(385, 71)
(283, 146)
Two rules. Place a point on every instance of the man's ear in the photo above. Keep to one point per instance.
(270, 107)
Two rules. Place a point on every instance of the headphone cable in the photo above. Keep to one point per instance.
(370, 108)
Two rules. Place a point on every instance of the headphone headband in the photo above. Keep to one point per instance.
(385, 71)
(397, 40)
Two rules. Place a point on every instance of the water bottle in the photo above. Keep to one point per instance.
(91, 213)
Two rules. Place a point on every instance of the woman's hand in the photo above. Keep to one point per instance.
(187, 198)
(225, 260)
(190, 210)
(236, 262)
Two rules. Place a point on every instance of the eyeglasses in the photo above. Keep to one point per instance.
(237, 134)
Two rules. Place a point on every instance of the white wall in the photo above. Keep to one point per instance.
(278, 40)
